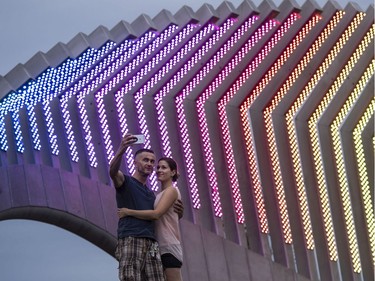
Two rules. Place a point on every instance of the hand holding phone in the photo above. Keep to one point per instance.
(140, 139)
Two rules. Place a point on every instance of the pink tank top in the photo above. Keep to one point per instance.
(167, 230)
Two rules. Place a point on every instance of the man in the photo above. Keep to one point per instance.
(137, 249)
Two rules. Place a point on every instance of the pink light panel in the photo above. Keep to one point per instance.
(246, 75)
(168, 87)
(182, 116)
(206, 95)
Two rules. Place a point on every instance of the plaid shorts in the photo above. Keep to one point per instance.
(139, 260)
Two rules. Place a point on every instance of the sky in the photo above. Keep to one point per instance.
(36, 251)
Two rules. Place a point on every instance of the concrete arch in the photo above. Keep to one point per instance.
(69, 222)
(75, 203)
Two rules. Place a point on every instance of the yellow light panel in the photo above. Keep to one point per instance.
(363, 176)
(271, 138)
(294, 149)
(323, 193)
(314, 135)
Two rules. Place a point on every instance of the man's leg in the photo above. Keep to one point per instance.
(153, 266)
(130, 252)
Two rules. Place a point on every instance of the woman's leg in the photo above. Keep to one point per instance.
(173, 274)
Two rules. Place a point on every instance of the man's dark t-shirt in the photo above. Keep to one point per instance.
(134, 195)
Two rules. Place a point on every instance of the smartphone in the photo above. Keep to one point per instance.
(140, 139)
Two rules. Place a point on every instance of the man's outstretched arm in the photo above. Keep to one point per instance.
(114, 167)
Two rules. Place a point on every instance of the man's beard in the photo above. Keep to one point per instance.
(145, 172)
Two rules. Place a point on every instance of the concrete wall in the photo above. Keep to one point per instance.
(87, 208)
(209, 257)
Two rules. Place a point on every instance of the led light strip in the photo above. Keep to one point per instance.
(112, 60)
(29, 93)
(102, 74)
(211, 89)
(50, 81)
(83, 113)
(271, 136)
(323, 193)
(16, 103)
(225, 127)
(38, 90)
(206, 31)
(363, 176)
(54, 86)
(155, 60)
(178, 76)
(56, 80)
(297, 167)
(23, 95)
(5, 105)
(32, 97)
(259, 88)
(182, 116)
(17, 131)
(197, 57)
(337, 144)
(119, 95)
(160, 109)
(314, 135)
(64, 99)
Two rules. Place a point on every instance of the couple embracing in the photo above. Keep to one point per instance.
(149, 241)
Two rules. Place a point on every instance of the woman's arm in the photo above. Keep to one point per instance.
(166, 201)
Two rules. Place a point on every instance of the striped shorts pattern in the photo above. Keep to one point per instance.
(139, 260)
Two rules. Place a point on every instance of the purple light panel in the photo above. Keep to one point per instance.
(183, 52)
(169, 86)
(54, 86)
(177, 77)
(182, 116)
(97, 76)
(88, 83)
(156, 59)
(50, 81)
(103, 91)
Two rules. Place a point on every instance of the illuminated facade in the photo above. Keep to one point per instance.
(269, 112)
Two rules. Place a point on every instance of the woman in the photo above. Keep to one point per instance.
(166, 227)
